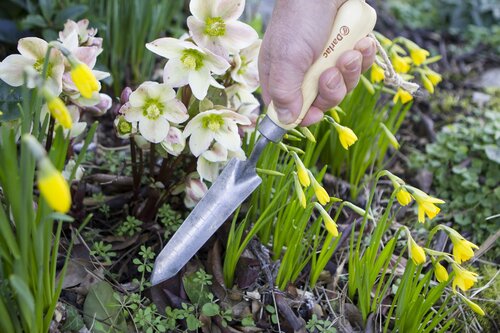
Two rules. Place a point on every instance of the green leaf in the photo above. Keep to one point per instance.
(24, 297)
(73, 13)
(196, 292)
(47, 8)
(210, 309)
(247, 321)
(102, 308)
(32, 21)
(493, 153)
(74, 321)
(192, 323)
(9, 98)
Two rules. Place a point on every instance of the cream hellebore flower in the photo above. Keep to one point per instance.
(210, 161)
(32, 55)
(194, 188)
(426, 204)
(244, 102)
(214, 26)
(175, 142)
(245, 70)
(189, 64)
(218, 125)
(153, 105)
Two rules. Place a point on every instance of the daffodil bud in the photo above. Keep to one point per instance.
(346, 136)
(302, 171)
(377, 74)
(84, 79)
(434, 77)
(440, 272)
(403, 96)
(473, 306)
(320, 192)
(417, 253)
(299, 191)
(330, 225)
(53, 187)
(307, 133)
(403, 197)
(427, 84)
(400, 64)
(58, 109)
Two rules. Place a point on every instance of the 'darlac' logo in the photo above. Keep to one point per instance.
(343, 31)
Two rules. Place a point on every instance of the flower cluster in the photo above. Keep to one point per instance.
(63, 70)
(409, 60)
(218, 55)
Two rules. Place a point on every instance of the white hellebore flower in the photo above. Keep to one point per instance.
(218, 125)
(153, 105)
(189, 64)
(245, 70)
(214, 25)
(245, 103)
(210, 162)
(195, 190)
(175, 142)
(32, 56)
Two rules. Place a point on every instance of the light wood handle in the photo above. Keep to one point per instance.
(355, 19)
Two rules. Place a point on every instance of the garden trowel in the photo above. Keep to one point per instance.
(354, 20)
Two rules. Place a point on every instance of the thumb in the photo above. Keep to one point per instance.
(285, 87)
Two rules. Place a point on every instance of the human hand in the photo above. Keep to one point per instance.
(295, 38)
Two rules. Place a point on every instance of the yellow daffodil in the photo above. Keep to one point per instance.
(386, 42)
(53, 187)
(58, 109)
(403, 96)
(417, 253)
(302, 171)
(320, 192)
(434, 77)
(426, 204)
(403, 197)
(464, 279)
(440, 272)
(346, 136)
(330, 225)
(400, 64)
(84, 79)
(298, 190)
(377, 73)
(462, 248)
(419, 55)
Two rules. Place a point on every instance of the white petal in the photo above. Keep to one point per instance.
(70, 41)
(193, 125)
(139, 97)
(174, 143)
(131, 113)
(169, 47)
(154, 130)
(77, 129)
(214, 83)
(33, 47)
(200, 141)
(12, 69)
(208, 170)
(229, 10)
(238, 36)
(87, 55)
(239, 154)
(160, 91)
(100, 75)
(201, 9)
(217, 153)
(228, 138)
(176, 112)
(217, 65)
(235, 117)
(175, 74)
(199, 81)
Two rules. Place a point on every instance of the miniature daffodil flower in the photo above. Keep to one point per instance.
(440, 272)
(299, 191)
(403, 96)
(320, 192)
(426, 204)
(32, 55)
(53, 187)
(215, 26)
(392, 139)
(417, 253)
(330, 225)
(346, 136)
(434, 77)
(84, 79)
(404, 198)
(400, 64)
(189, 64)
(463, 250)
(377, 74)
(463, 279)
(418, 55)
(245, 70)
(218, 125)
(154, 106)
(58, 109)
(302, 171)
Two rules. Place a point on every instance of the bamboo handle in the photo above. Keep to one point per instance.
(355, 19)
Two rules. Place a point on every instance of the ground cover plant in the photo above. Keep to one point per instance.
(108, 139)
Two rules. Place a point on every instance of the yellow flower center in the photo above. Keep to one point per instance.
(124, 127)
(215, 27)
(192, 59)
(212, 122)
(38, 66)
(152, 110)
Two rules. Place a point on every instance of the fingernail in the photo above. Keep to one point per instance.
(334, 80)
(354, 64)
(365, 46)
(285, 116)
